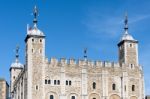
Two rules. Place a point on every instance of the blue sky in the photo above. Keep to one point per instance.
(72, 25)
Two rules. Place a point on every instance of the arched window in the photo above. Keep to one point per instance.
(40, 51)
(73, 97)
(131, 66)
(66, 82)
(133, 87)
(32, 50)
(36, 87)
(51, 97)
(94, 85)
(32, 40)
(45, 81)
(69, 82)
(130, 45)
(49, 81)
(58, 82)
(14, 77)
(125, 88)
(40, 40)
(114, 86)
(54, 82)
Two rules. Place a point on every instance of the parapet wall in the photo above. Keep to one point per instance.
(81, 62)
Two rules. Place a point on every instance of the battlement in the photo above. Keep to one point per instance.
(81, 62)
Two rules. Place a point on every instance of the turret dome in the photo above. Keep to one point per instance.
(17, 64)
(127, 36)
(35, 31)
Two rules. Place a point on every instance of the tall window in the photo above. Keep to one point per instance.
(69, 82)
(40, 40)
(125, 88)
(66, 82)
(36, 87)
(73, 97)
(32, 40)
(32, 50)
(133, 87)
(51, 97)
(94, 85)
(130, 45)
(131, 66)
(58, 82)
(54, 82)
(45, 81)
(14, 77)
(114, 86)
(49, 81)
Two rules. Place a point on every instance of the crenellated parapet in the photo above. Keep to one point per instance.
(80, 62)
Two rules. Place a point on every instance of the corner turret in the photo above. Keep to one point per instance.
(35, 58)
(15, 68)
(128, 48)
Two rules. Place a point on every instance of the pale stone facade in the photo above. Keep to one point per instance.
(81, 79)
(4, 89)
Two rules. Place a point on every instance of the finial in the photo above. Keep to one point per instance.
(85, 53)
(126, 23)
(35, 13)
(17, 55)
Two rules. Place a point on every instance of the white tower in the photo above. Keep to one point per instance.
(15, 69)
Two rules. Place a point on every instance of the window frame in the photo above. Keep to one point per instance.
(133, 87)
(73, 97)
(51, 96)
(113, 86)
(66, 82)
(94, 85)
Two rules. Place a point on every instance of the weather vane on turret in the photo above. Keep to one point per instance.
(85, 53)
(35, 13)
(126, 23)
(17, 53)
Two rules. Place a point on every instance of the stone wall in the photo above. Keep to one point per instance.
(4, 89)
(104, 74)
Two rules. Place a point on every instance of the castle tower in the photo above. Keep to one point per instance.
(35, 55)
(128, 48)
(15, 69)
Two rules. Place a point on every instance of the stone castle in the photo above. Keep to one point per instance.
(40, 78)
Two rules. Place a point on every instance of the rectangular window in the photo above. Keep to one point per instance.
(69, 82)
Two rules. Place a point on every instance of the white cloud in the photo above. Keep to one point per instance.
(101, 25)
(139, 18)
